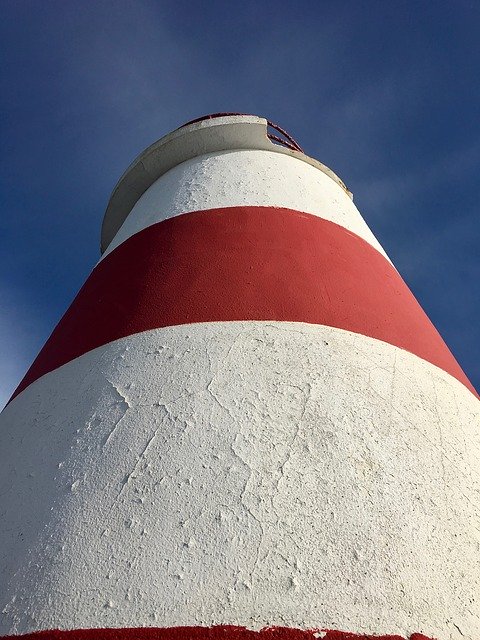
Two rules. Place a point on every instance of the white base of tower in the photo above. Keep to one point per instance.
(248, 473)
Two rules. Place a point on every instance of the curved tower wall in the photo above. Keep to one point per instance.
(244, 418)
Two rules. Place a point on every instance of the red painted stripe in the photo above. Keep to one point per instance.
(204, 633)
(243, 263)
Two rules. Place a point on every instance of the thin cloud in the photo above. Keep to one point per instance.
(18, 340)
(396, 189)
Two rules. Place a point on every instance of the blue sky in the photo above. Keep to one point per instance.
(387, 94)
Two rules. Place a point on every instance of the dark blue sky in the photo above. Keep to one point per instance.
(387, 94)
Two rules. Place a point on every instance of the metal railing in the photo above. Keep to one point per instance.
(284, 139)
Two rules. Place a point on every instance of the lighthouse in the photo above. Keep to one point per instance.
(244, 427)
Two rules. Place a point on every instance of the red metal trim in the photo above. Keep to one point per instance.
(294, 144)
(211, 116)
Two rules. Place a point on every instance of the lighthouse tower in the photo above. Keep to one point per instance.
(244, 426)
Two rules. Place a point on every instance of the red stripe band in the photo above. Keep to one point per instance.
(203, 633)
(243, 263)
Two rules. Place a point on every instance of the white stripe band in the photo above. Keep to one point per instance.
(240, 178)
(280, 474)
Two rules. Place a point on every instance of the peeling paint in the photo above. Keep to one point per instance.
(205, 633)
(302, 509)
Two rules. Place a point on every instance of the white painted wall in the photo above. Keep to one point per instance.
(240, 178)
(250, 473)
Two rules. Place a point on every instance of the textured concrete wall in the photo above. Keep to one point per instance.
(280, 473)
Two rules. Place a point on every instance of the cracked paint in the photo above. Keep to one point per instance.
(301, 509)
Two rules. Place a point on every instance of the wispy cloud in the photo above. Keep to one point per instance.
(380, 194)
(18, 339)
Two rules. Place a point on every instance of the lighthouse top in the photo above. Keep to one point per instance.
(212, 134)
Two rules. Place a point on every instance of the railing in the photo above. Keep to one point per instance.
(286, 140)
